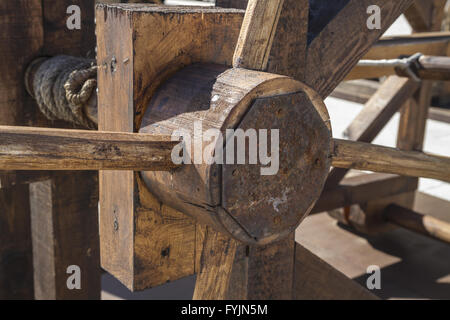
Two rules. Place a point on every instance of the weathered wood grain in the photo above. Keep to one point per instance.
(389, 98)
(428, 43)
(317, 280)
(64, 220)
(238, 4)
(28, 148)
(363, 188)
(16, 260)
(244, 99)
(77, 238)
(364, 156)
(328, 62)
(257, 33)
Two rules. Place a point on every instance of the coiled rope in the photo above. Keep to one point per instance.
(63, 87)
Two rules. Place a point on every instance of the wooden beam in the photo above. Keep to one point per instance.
(425, 15)
(363, 188)
(21, 23)
(328, 62)
(27, 148)
(257, 34)
(238, 4)
(427, 43)
(360, 91)
(439, 114)
(434, 68)
(315, 279)
(365, 156)
(63, 213)
(144, 63)
(76, 239)
(16, 260)
(424, 224)
(233, 271)
(392, 94)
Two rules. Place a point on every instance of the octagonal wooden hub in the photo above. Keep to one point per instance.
(235, 198)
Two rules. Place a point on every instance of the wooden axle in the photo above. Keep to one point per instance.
(26, 148)
(419, 223)
(234, 198)
(364, 156)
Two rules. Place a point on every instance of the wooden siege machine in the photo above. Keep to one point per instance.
(163, 68)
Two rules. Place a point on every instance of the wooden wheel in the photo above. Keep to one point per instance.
(241, 242)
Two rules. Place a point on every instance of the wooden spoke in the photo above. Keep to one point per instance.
(26, 148)
(392, 94)
(365, 156)
(328, 61)
(257, 33)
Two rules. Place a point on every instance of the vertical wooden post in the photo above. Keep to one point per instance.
(21, 24)
(65, 233)
(64, 208)
(233, 271)
(228, 269)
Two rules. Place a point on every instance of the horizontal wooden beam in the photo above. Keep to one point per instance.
(366, 156)
(363, 188)
(360, 91)
(430, 43)
(392, 94)
(419, 223)
(27, 148)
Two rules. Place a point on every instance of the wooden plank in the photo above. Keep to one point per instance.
(365, 156)
(368, 217)
(419, 223)
(391, 95)
(21, 25)
(71, 214)
(230, 270)
(363, 188)
(16, 261)
(28, 148)
(428, 43)
(288, 53)
(317, 280)
(63, 214)
(257, 34)
(358, 91)
(143, 63)
(327, 62)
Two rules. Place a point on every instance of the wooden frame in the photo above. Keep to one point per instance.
(143, 241)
